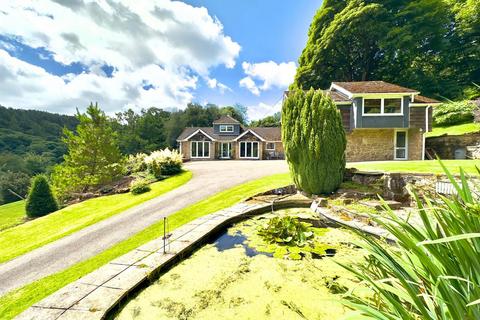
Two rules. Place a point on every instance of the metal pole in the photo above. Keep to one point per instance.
(164, 235)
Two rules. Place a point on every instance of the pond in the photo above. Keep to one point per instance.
(241, 276)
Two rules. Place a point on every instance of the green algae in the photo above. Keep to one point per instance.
(229, 285)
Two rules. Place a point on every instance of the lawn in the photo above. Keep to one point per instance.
(455, 130)
(427, 166)
(18, 300)
(12, 214)
(29, 236)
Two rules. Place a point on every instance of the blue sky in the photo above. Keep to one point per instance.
(60, 56)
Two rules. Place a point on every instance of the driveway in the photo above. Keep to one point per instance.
(209, 177)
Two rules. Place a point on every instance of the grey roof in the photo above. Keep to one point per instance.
(226, 120)
(267, 133)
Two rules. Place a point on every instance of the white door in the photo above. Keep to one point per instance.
(225, 150)
(401, 145)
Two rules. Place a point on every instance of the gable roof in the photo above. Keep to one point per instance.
(264, 133)
(337, 96)
(226, 119)
(372, 87)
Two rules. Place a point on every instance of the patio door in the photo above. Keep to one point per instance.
(225, 150)
(249, 149)
(401, 145)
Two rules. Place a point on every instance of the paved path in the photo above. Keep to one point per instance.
(209, 177)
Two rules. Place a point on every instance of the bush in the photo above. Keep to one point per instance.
(139, 187)
(434, 271)
(314, 141)
(40, 199)
(136, 163)
(164, 162)
(17, 182)
(452, 113)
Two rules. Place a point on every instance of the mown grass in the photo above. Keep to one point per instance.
(427, 166)
(455, 130)
(29, 236)
(12, 214)
(20, 299)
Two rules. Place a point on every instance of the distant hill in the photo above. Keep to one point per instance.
(32, 131)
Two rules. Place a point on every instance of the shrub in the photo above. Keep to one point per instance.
(139, 187)
(40, 199)
(136, 163)
(17, 182)
(452, 113)
(314, 141)
(434, 273)
(164, 162)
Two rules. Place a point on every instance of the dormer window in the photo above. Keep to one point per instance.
(226, 128)
(382, 106)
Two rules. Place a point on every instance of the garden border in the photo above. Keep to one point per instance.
(96, 295)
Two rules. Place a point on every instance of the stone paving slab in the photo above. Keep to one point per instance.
(36, 313)
(92, 296)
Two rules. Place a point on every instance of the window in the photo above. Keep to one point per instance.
(249, 149)
(372, 106)
(383, 106)
(401, 143)
(270, 146)
(392, 106)
(200, 149)
(226, 128)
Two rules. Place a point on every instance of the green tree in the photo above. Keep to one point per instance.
(314, 141)
(41, 200)
(93, 156)
(269, 121)
(13, 185)
(430, 45)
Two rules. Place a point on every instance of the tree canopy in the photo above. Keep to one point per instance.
(430, 45)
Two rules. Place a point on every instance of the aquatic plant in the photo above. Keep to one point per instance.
(287, 230)
(434, 273)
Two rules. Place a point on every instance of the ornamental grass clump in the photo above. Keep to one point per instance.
(164, 162)
(434, 272)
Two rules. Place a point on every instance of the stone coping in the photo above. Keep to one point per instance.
(94, 295)
(358, 225)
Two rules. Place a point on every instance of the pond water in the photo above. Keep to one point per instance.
(239, 276)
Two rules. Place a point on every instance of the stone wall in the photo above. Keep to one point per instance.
(378, 145)
(446, 145)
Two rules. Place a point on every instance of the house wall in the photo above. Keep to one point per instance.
(378, 145)
(236, 130)
(418, 118)
(382, 121)
(279, 151)
(346, 112)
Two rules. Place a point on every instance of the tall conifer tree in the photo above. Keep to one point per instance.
(314, 141)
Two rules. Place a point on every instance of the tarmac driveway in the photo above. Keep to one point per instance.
(209, 177)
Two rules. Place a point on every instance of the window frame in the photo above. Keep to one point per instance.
(395, 145)
(246, 149)
(270, 149)
(204, 143)
(227, 128)
(382, 107)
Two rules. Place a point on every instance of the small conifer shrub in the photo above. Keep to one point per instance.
(40, 200)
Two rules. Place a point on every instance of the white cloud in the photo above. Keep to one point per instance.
(163, 44)
(263, 110)
(248, 83)
(215, 84)
(270, 74)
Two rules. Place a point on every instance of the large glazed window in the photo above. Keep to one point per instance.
(383, 107)
(200, 149)
(372, 106)
(249, 149)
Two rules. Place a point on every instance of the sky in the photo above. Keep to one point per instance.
(61, 55)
